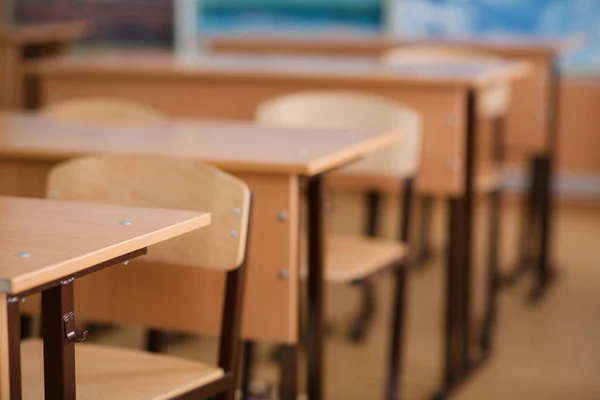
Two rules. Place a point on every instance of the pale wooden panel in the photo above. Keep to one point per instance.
(167, 183)
(350, 258)
(442, 111)
(350, 110)
(579, 137)
(103, 373)
(10, 83)
(493, 101)
(259, 149)
(23, 179)
(63, 238)
(98, 110)
(184, 298)
(4, 362)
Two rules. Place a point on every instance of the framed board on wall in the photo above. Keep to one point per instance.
(227, 16)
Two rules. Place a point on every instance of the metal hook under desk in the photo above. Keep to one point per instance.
(70, 333)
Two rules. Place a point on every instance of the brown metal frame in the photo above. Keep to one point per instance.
(231, 328)
(57, 317)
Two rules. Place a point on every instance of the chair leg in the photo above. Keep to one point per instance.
(26, 326)
(154, 341)
(247, 364)
(364, 320)
(527, 229)
(397, 329)
(425, 248)
(492, 272)
(288, 382)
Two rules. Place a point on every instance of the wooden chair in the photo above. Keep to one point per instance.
(107, 110)
(353, 259)
(103, 110)
(159, 182)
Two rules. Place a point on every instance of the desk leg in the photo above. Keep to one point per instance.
(59, 352)
(544, 272)
(458, 362)
(316, 290)
(10, 348)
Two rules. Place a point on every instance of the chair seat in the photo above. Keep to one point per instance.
(349, 258)
(112, 373)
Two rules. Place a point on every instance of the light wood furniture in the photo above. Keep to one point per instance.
(355, 259)
(103, 110)
(455, 149)
(209, 87)
(532, 124)
(24, 43)
(47, 246)
(531, 106)
(184, 184)
(270, 160)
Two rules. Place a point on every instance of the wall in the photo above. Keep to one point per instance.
(544, 18)
(114, 20)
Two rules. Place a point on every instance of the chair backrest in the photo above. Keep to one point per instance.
(494, 101)
(354, 111)
(171, 183)
(100, 110)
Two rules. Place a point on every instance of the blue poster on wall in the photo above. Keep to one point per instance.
(532, 18)
(291, 15)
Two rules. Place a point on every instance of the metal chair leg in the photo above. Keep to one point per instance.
(364, 320)
(154, 341)
(247, 364)
(396, 354)
(425, 248)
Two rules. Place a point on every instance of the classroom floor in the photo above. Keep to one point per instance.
(548, 352)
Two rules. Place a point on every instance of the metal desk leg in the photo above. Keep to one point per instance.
(316, 289)
(59, 341)
(544, 271)
(10, 356)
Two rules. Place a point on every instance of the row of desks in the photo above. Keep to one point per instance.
(231, 86)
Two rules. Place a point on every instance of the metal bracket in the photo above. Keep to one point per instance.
(69, 325)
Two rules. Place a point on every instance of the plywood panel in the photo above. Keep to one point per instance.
(442, 110)
(158, 296)
(579, 133)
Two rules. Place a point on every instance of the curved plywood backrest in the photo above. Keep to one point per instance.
(494, 101)
(100, 110)
(353, 111)
(171, 183)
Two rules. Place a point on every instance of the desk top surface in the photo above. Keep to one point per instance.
(45, 240)
(235, 147)
(507, 44)
(45, 33)
(142, 64)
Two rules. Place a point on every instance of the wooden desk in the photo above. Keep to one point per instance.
(24, 43)
(531, 109)
(232, 86)
(270, 160)
(46, 245)
(533, 118)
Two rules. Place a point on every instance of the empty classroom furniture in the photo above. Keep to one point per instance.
(47, 246)
(271, 160)
(533, 118)
(354, 110)
(22, 44)
(457, 160)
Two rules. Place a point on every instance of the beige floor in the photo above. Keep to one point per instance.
(549, 352)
